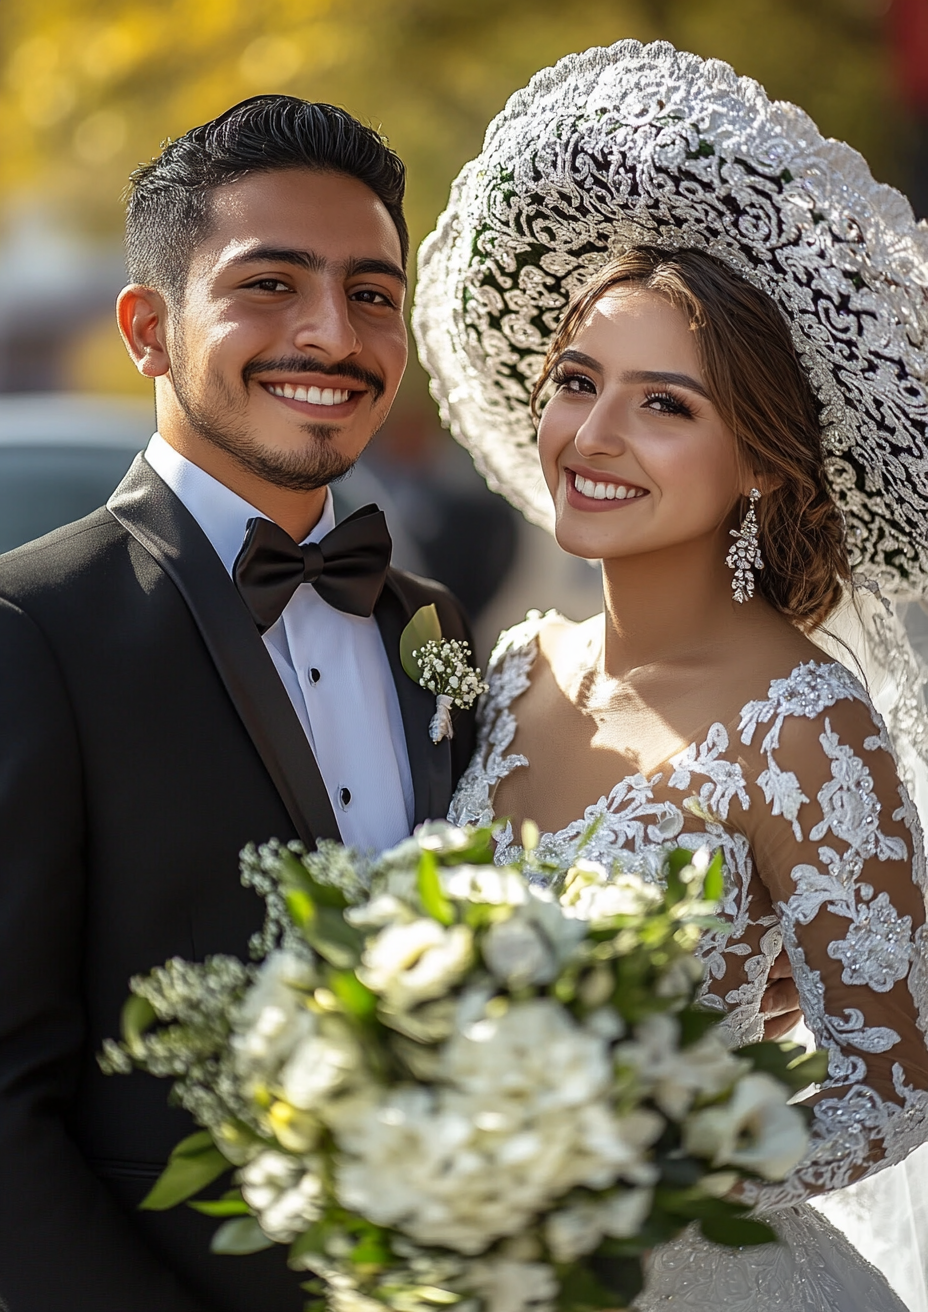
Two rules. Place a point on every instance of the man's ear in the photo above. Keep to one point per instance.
(142, 316)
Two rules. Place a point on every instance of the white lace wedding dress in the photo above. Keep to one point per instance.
(843, 889)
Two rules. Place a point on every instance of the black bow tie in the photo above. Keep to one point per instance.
(347, 568)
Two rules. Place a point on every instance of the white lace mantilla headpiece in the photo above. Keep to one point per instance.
(640, 144)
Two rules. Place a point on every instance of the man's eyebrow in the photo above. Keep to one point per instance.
(308, 260)
(313, 262)
(355, 267)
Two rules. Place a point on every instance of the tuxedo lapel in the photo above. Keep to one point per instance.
(429, 763)
(157, 519)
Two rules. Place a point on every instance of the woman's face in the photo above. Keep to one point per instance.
(635, 455)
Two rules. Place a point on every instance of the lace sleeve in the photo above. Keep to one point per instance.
(508, 675)
(838, 844)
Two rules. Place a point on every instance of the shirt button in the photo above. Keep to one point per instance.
(344, 798)
(314, 675)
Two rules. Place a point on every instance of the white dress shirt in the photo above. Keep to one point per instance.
(333, 666)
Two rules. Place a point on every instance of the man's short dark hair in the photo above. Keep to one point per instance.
(169, 212)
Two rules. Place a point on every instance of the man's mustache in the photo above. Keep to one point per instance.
(306, 364)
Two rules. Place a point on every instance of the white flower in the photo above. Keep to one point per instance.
(681, 975)
(409, 964)
(441, 837)
(573, 1232)
(673, 1076)
(402, 884)
(320, 1065)
(518, 954)
(429, 1022)
(580, 1228)
(507, 1286)
(756, 1130)
(531, 945)
(497, 885)
(534, 1051)
(623, 1213)
(382, 910)
(295, 1130)
(719, 1184)
(342, 1296)
(519, 1116)
(284, 1192)
(273, 1018)
(590, 893)
(445, 670)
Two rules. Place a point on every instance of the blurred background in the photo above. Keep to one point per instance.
(89, 88)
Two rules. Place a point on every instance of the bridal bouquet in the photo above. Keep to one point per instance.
(444, 1082)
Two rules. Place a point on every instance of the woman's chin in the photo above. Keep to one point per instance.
(587, 546)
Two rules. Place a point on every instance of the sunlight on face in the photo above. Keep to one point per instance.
(635, 455)
(291, 343)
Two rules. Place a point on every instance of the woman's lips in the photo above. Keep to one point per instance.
(600, 493)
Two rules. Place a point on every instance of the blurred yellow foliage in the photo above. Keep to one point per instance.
(90, 87)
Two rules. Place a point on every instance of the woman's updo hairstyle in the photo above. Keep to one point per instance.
(757, 385)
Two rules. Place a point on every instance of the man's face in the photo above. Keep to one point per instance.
(289, 344)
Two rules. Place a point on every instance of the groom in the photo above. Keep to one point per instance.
(179, 677)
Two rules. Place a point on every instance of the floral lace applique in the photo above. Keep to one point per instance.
(809, 690)
(508, 675)
(726, 779)
(855, 1127)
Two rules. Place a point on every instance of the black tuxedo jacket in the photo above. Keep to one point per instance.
(145, 738)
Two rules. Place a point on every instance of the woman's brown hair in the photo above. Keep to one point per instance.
(759, 388)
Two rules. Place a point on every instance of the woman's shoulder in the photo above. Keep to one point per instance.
(803, 697)
(547, 632)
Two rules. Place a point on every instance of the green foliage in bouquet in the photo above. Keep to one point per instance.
(444, 1082)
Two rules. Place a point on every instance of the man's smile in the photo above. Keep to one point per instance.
(314, 395)
(334, 402)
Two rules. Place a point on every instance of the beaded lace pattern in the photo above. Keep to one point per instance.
(636, 145)
(834, 908)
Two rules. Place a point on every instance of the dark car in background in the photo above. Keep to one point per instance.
(62, 454)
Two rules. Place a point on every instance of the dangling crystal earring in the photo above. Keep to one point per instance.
(744, 556)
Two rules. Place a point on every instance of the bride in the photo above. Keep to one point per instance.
(730, 417)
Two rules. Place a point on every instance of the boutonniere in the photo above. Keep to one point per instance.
(442, 665)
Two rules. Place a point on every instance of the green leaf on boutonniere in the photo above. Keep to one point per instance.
(422, 628)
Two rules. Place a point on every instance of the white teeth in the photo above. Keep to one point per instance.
(605, 491)
(311, 395)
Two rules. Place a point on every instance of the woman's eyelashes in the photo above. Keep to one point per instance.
(565, 380)
(667, 403)
(657, 400)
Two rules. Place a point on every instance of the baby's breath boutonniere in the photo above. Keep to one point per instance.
(442, 665)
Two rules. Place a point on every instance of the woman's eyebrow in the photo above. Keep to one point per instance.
(578, 357)
(659, 376)
(668, 379)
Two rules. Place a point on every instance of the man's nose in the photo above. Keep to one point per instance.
(324, 326)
